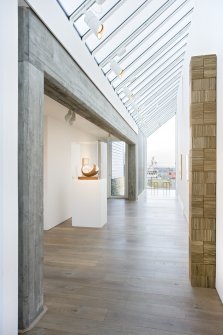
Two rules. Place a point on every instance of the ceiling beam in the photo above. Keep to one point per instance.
(168, 32)
(80, 10)
(176, 61)
(156, 81)
(171, 106)
(153, 128)
(158, 53)
(154, 108)
(120, 27)
(170, 109)
(153, 88)
(145, 127)
(113, 9)
(156, 91)
(138, 31)
(155, 97)
(159, 96)
(151, 108)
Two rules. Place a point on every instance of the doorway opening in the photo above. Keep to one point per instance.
(66, 144)
(117, 169)
(161, 163)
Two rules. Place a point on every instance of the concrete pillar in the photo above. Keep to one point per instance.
(145, 163)
(30, 177)
(141, 162)
(132, 172)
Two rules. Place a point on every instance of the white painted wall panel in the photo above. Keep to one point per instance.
(8, 168)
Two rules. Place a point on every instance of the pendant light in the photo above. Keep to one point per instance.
(115, 67)
(94, 24)
(68, 115)
(72, 119)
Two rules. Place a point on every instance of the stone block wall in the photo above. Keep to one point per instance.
(202, 236)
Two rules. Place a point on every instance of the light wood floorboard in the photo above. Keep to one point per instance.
(128, 278)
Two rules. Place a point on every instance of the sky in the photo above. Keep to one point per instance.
(161, 145)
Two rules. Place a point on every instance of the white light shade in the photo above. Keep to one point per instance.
(116, 68)
(127, 92)
(94, 24)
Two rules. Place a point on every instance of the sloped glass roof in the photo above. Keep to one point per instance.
(147, 39)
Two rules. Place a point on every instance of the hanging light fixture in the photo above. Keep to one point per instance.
(115, 67)
(94, 24)
(70, 117)
(128, 92)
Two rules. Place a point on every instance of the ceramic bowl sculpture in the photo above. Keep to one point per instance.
(89, 171)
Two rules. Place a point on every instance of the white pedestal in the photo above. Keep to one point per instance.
(89, 203)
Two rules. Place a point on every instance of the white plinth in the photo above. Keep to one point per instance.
(89, 203)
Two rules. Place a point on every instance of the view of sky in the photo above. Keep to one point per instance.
(161, 145)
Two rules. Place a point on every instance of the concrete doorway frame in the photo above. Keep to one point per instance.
(40, 72)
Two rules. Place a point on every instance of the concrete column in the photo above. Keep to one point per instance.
(145, 163)
(30, 176)
(141, 162)
(132, 172)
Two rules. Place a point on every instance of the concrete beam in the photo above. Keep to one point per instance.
(60, 70)
(132, 172)
(64, 96)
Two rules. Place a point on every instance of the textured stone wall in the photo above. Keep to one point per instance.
(203, 171)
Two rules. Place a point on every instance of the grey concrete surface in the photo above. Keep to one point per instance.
(30, 179)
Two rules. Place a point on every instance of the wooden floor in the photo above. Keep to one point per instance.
(129, 278)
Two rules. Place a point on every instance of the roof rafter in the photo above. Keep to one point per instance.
(138, 31)
(120, 27)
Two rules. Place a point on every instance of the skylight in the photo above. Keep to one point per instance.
(140, 50)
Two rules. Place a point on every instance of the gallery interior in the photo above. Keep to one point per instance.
(90, 244)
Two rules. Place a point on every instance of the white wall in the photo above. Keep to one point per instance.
(8, 168)
(182, 145)
(64, 146)
(103, 160)
(205, 38)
